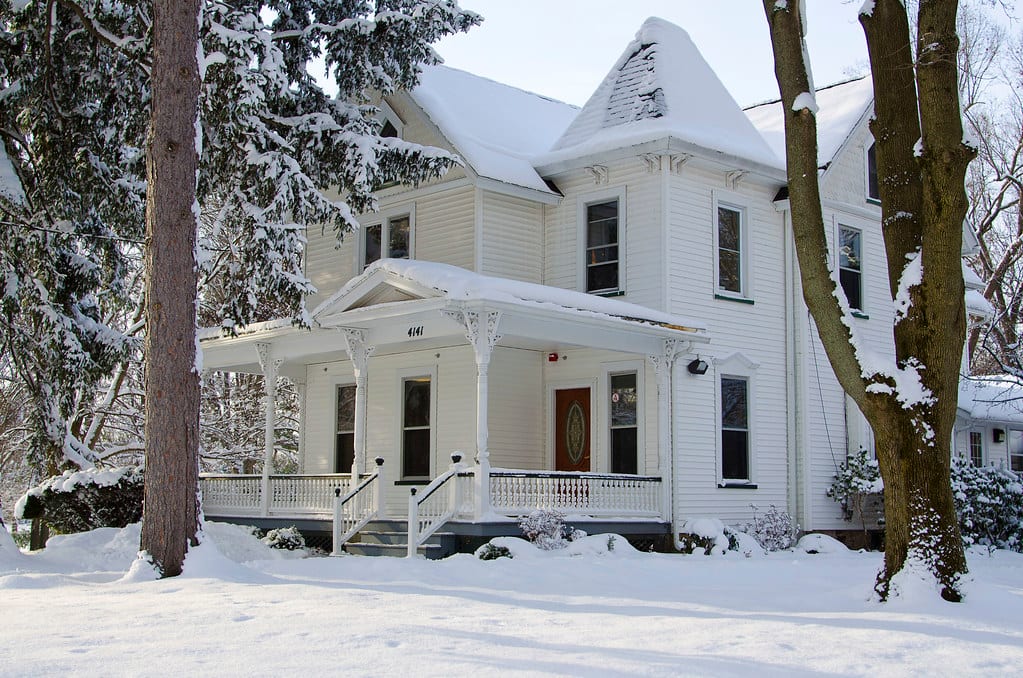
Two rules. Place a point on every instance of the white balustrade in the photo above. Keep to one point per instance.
(230, 495)
(439, 502)
(597, 495)
(354, 509)
(290, 495)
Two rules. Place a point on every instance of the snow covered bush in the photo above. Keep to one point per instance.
(857, 486)
(989, 503)
(706, 535)
(77, 501)
(775, 529)
(285, 538)
(492, 552)
(547, 529)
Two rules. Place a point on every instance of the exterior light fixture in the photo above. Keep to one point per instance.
(698, 367)
(998, 435)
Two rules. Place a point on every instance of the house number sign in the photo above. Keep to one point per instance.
(415, 331)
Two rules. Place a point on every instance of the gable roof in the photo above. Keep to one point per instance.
(840, 108)
(661, 87)
(496, 128)
(996, 398)
(399, 280)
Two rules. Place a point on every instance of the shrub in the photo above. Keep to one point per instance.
(706, 535)
(857, 487)
(77, 501)
(775, 530)
(491, 552)
(285, 538)
(989, 503)
(547, 530)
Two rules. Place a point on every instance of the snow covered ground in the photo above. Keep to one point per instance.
(75, 609)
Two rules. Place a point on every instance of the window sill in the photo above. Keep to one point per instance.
(860, 314)
(424, 481)
(873, 201)
(612, 293)
(741, 300)
(736, 485)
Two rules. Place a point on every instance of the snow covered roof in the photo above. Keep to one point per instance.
(496, 128)
(840, 108)
(994, 397)
(426, 278)
(10, 186)
(661, 86)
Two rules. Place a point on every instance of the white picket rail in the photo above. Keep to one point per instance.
(599, 495)
(439, 502)
(358, 507)
(290, 495)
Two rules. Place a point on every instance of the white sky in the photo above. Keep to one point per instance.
(564, 48)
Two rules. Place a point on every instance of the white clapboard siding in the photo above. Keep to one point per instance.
(512, 237)
(846, 178)
(444, 227)
(516, 412)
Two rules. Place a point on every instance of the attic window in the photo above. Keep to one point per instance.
(636, 94)
(389, 130)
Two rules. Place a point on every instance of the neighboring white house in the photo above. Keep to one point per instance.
(601, 312)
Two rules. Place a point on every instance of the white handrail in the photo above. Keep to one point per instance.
(357, 508)
(595, 494)
(438, 503)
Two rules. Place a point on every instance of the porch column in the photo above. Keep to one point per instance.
(664, 364)
(481, 331)
(300, 386)
(270, 367)
(359, 353)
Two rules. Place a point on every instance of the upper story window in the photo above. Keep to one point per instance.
(850, 265)
(390, 238)
(602, 247)
(976, 448)
(873, 192)
(730, 263)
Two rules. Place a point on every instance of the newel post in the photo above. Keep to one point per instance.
(413, 524)
(358, 352)
(381, 484)
(271, 367)
(481, 331)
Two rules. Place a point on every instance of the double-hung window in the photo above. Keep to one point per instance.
(390, 238)
(731, 276)
(603, 272)
(976, 448)
(1016, 450)
(415, 427)
(735, 440)
(850, 265)
(344, 445)
(624, 423)
(873, 191)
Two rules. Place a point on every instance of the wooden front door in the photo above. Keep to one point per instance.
(572, 429)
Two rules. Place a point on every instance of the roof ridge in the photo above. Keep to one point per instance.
(506, 85)
(776, 100)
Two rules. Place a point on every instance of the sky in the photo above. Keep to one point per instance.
(564, 48)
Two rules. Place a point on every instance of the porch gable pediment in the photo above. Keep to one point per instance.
(374, 288)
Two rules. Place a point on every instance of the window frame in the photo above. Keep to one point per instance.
(840, 226)
(383, 219)
(338, 385)
(402, 376)
(868, 150)
(738, 204)
(1008, 450)
(617, 193)
(386, 114)
(736, 366)
(614, 369)
(972, 436)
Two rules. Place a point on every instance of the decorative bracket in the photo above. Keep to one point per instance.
(271, 366)
(599, 173)
(653, 162)
(678, 161)
(733, 178)
(670, 350)
(480, 330)
(356, 348)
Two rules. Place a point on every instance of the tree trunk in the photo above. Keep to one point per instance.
(170, 513)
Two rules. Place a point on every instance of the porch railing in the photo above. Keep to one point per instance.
(599, 495)
(448, 496)
(242, 495)
(352, 511)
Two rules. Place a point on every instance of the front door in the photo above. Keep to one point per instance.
(572, 430)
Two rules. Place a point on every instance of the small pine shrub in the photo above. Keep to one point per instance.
(547, 530)
(774, 530)
(77, 501)
(856, 483)
(285, 538)
(490, 552)
(989, 503)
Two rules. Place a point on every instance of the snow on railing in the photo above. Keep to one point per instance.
(354, 509)
(228, 495)
(439, 502)
(599, 495)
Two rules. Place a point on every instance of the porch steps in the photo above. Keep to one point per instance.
(390, 538)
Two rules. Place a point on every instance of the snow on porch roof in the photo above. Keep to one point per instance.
(997, 398)
(660, 87)
(458, 284)
(495, 127)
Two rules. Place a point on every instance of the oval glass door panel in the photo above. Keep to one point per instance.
(575, 432)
